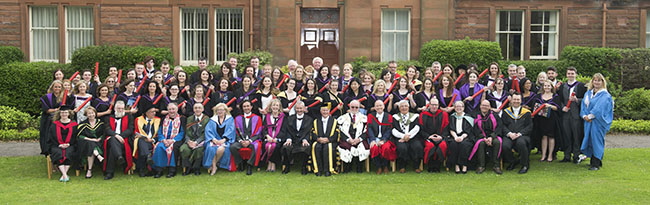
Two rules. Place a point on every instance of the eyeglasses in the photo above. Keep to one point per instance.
(110, 81)
(354, 107)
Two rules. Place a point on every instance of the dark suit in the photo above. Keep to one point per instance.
(322, 152)
(572, 124)
(114, 149)
(434, 123)
(485, 127)
(296, 135)
(524, 125)
(374, 128)
(413, 150)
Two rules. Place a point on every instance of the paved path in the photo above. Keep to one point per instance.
(11, 149)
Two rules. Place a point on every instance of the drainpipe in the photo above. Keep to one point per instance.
(250, 24)
(604, 23)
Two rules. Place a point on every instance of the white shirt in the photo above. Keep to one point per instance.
(406, 130)
(246, 119)
(515, 111)
(380, 117)
(572, 88)
(299, 121)
(324, 123)
(459, 125)
(118, 126)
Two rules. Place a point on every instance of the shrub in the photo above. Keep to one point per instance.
(19, 135)
(12, 118)
(593, 60)
(460, 52)
(631, 126)
(122, 57)
(244, 59)
(362, 63)
(635, 66)
(633, 104)
(28, 82)
(9, 54)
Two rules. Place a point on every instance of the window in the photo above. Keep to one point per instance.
(647, 30)
(44, 34)
(229, 32)
(194, 35)
(395, 34)
(510, 34)
(543, 34)
(79, 29)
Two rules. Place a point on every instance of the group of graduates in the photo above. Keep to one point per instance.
(321, 119)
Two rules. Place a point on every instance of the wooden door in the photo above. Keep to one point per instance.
(319, 36)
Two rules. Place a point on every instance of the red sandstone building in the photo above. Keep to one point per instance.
(337, 30)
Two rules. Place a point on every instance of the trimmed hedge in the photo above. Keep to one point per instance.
(19, 135)
(635, 66)
(244, 59)
(534, 67)
(122, 57)
(633, 104)
(28, 82)
(631, 126)
(460, 52)
(10, 54)
(593, 60)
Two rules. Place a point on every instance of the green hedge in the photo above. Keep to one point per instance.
(19, 135)
(12, 118)
(460, 52)
(534, 67)
(631, 126)
(635, 66)
(244, 59)
(9, 54)
(590, 60)
(362, 62)
(28, 82)
(122, 57)
(633, 104)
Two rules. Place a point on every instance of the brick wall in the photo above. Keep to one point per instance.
(10, 25)
(623, 28)
(135, 25)
(584, 27)
(473, 23)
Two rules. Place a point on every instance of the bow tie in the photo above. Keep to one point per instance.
(299, 118)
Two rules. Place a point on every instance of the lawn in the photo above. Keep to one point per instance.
(624, 179)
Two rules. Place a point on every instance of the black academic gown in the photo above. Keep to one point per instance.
(324, 153)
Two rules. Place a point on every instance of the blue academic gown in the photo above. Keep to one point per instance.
(601, 106)
(160, 158)
(211, 149)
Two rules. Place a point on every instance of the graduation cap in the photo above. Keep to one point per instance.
(419, 68)
(66, 107)
(144, 106)
(328, 105)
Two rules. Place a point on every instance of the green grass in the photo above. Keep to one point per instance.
(624, 179)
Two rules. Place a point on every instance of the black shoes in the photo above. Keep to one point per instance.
(497, 170)
(286, 170)
(594, 168)
(197, 172)
(327, 174)
(108, 176)
(480, 170)
(304, 171)
(511, 166)
(158, 174)
(171, 174)
(249, 170)
(565, 160)
(523, 170)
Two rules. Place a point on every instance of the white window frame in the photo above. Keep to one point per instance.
(67, 30)
(408, 31)
(31, 36)
(555, 33)
(193, 62)
(522, 32)
(216, 30)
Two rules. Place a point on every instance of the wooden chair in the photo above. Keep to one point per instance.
(393, 167)
(367, 162)
(51, 168)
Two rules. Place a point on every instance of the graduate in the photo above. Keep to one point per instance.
(149, 93)
(446, 93)
(497, 96)
(597, 111)
(198, 97)
(379, 94)
(180, 79)
(468, 90)
(493, 73)
(223, 94)
(404, 136)
(50, 103)
(427, 93)
(265, 93)
(402, 91)
(288, 96)
(219, 135)
(354, 92)
(324, 138)
(102, 102)
(296, 145)
(323, 77)
(433, 131)
(572, 123)
(547, 120)
(487, 131)
(90, 135)
(332, 96)
(173, 97)
(62, 140)
(146, 131)
(170, 138)
(382, 150)
(192, 149)
(311, 96)
(460, 139)
(353, 147)
(249, 130)
(118, 141)
(411, 76)
(243, 93)
(80, 96)
(273, 135)
(517, 128)
(128, 95)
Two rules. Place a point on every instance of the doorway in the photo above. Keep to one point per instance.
(319, 35)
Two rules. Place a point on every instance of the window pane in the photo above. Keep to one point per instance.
(402, 19)
(45, 33)
(387, 46)
(401, 46)
(503, 20)
(515, 46)
(79, 28)
(229, 32)
(388, 20)
(536, 44)
(536, 17)
(515, 20)
(45, 17)
(550, 50)
(194, 34)
(502, 39)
